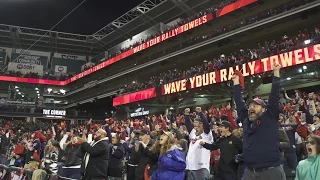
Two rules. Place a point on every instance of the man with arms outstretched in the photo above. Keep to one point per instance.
(261, 141)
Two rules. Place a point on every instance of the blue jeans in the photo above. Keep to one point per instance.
(72, 173)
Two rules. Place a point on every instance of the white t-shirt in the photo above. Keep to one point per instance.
(198, 157)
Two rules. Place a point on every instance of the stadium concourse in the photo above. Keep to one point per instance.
(170, 90)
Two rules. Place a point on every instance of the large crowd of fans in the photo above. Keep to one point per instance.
(261, 50)
(165, 146)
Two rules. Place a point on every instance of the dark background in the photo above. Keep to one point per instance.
(88, 18)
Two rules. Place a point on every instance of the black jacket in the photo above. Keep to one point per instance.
(98, 162)
(146, 157)
(229, 147)
(261, 139)
(116, 160)
(71, 157)
(4, 145)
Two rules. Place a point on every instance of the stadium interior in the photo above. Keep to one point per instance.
(115, 73)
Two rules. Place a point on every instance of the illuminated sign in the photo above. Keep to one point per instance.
(139, 112)
(186, 27)
(292, 58)
(50, 112)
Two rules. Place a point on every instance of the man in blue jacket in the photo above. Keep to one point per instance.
(261, 141)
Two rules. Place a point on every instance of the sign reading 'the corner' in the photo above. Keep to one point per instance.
(54, 112)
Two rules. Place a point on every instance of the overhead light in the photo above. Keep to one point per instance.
(36, 89)
(312, 73)
(16, 87)
(22, 95)
(133, 82)
(49, 90)
(300, 70)
(304, 67)
(171, 108)
(62, 91)
(17, 90)
(308, 41)
(288, 78)
(251, 81)
(37, 92)
(201, 95)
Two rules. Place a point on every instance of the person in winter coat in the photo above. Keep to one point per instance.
(310, 167)
(148, 154)
(117, 153)
(172, 163)
(4, 146)
(49, 162)
(72, 162)
(96, 157)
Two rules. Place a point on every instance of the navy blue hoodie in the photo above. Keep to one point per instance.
(261, 140)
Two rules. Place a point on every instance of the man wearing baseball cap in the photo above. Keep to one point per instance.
(261, 147)
(229, 146)
(144, 157)
(198, 161)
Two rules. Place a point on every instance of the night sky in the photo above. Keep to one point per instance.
(91, 16)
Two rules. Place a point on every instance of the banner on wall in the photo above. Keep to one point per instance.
(134, 97)
(288, 59)
(25, 68)
(69, 56)
(4, 101)
(60, 69)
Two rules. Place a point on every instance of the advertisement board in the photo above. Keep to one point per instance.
(25, 68)
(60, 69)
(288, 59)
(69, 56)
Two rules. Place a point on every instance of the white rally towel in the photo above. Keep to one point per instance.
(87, 155)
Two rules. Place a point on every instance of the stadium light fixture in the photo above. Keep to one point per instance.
(308, 41)
(62, 91)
